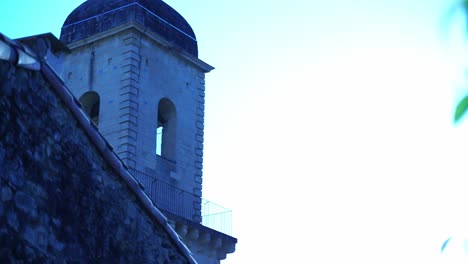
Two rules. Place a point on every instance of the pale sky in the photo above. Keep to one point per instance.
(328, 124)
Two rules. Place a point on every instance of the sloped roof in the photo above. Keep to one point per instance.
(23, 56)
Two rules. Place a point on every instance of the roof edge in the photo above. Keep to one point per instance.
(56, 44)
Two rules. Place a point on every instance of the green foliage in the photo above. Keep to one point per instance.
(462, 106)
(464, 4)
(461, 109)
(464, 7)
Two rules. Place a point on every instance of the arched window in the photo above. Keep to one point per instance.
(90, 102)
(166, 130)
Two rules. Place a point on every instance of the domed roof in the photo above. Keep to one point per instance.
(95, 16)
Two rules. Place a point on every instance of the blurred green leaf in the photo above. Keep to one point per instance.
(465, 4)
(462, 108)
(464, 7)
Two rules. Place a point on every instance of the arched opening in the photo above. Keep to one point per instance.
(91, 102)
(166, 130)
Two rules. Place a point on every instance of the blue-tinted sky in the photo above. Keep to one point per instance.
(328, 123)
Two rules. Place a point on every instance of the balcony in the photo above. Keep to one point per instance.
(181, 203)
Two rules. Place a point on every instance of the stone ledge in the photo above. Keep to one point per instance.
(201, 239)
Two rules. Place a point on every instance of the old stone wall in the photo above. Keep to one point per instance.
(60, 202)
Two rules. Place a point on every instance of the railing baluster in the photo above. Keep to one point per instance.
(175, 200)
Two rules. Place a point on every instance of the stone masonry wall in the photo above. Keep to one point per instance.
(132, 72)
(59, 200)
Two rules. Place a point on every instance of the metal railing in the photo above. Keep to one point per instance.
(216, 217)
(179, 202)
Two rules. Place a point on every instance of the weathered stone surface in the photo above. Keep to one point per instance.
(5, 193)
(60, 201)
(129, 105)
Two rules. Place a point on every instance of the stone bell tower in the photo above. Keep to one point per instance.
(134, 66)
